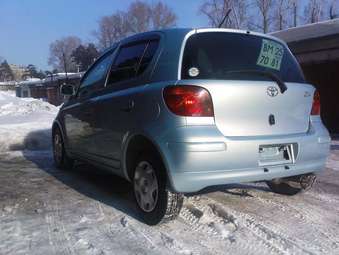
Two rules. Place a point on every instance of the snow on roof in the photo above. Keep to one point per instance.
(30, 81)
(58, 76)
(33, 79)
(7, 83)
(310, 31)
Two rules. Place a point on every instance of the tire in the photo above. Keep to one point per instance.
(293, 185)
(61, 160)
(156, 204)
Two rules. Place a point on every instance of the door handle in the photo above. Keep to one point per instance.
(129, 106)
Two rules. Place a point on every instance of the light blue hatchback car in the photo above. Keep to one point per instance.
(179, 110)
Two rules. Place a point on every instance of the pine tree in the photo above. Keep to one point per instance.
(32, 71)
(6, 73)
(85, 56)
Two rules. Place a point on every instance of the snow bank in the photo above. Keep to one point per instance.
(25, 123)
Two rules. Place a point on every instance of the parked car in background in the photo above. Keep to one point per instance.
(179, 110)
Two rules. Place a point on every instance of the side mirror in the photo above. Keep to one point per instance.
(67, 90)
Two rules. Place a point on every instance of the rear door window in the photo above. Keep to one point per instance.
(96, 76)
(132, 60)
(148, 56)
(227, 56)
(126, 63)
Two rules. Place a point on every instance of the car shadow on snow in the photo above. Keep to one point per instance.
(84, 178)
(238, 189)
(100, 185)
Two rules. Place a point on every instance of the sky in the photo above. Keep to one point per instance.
(27, 27)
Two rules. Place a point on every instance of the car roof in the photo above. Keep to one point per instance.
(168, 64)
(181, 32)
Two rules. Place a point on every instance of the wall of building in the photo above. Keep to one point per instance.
(38, 91)
(48, 90)
(325, 76)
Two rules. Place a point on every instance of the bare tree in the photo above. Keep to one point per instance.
(60, 56)
(162, 16)
(143, 16)
(215, 11)
(281, 17)
(266, 8)
(313, 11)
(294, 8)
(333, 9)
(139, 17)
(111, 29)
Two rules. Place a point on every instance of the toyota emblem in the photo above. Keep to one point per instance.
(272, 91)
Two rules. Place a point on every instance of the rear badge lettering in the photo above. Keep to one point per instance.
(271, 54)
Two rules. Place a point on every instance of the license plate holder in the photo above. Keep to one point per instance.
(276, 154)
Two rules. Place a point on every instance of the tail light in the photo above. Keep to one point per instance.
(316, 104)
(189, 100)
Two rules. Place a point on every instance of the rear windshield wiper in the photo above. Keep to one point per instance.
(270, 75)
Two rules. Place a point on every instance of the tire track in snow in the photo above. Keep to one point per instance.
(312, 221)
(200, 219)
(57, 233)
(155, 239)
(119, 227)
(272, 238)
(302, 215)
(329, 241)
(217, 224)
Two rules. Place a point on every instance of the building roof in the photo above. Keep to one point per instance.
(310, 31)
(62, 76)
(30, 82)
(314, 43)
(8, 83)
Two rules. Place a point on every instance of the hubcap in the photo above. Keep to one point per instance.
(145, 186)
(57, 148)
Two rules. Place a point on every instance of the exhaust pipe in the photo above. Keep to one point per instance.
(306, 181)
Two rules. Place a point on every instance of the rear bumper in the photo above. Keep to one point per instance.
(200, 156)
(192, 182)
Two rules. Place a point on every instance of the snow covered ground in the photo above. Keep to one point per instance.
(20, 117)
(85, 211)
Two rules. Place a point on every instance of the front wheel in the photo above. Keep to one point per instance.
(61, 160)
(155, 202)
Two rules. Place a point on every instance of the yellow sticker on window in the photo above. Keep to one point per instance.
(271, 54)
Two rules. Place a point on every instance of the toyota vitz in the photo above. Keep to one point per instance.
(178, 110)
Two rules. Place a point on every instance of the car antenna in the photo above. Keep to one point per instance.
(225, 17)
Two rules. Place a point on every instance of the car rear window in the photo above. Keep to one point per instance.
(225, 56)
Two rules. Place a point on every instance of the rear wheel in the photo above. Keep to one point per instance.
(155, 202)
(292, 185)
(61, 160)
